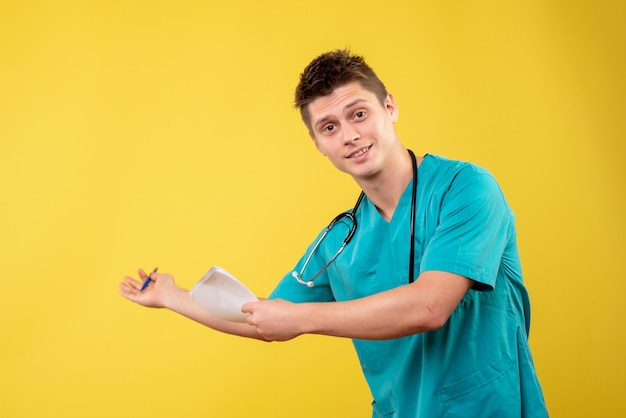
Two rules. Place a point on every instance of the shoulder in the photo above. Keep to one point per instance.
(450, 183)
(437, 165)
(441, 172)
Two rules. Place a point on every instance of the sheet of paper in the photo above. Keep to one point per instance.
(222, 295)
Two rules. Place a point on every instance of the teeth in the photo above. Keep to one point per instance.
(360, 152)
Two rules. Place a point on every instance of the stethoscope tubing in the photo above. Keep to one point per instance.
(351, 215)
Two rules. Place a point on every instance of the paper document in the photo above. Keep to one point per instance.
(222, 295)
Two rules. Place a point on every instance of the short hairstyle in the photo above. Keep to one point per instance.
(332, 70)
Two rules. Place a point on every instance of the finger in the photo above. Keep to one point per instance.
(132, 282)
(127, 291)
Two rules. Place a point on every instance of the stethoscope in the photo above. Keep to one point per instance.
(350, 215)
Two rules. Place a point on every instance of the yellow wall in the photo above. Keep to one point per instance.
(142, 133)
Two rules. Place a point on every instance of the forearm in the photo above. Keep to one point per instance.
(180, 301)
(419, 307)
(371, 318)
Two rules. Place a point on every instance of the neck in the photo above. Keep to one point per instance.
(386, 187)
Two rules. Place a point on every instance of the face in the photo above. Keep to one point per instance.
(354, 130)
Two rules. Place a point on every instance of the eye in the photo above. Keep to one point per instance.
(328, 128)
(360, 114)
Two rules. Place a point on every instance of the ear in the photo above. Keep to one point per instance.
(391, 107)
(317, 145)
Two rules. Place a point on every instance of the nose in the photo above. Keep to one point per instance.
(349, 133)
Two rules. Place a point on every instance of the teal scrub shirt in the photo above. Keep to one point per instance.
(479, 363)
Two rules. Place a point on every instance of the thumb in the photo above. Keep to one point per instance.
(248, 307)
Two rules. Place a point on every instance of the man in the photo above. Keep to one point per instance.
(429, 287)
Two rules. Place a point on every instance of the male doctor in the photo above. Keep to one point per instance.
(430, 286)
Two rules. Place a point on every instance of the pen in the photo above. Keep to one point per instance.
(148, 280)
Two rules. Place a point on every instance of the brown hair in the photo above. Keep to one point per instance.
(332, 70)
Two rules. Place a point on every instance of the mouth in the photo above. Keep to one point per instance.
(359, 152)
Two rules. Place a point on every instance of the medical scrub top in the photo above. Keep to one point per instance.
(479, 363)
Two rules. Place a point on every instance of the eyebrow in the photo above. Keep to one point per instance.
(329, 117)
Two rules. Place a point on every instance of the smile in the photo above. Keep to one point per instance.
(359, 152)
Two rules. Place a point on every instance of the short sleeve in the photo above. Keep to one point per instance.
(473, 229)
(290, 289)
